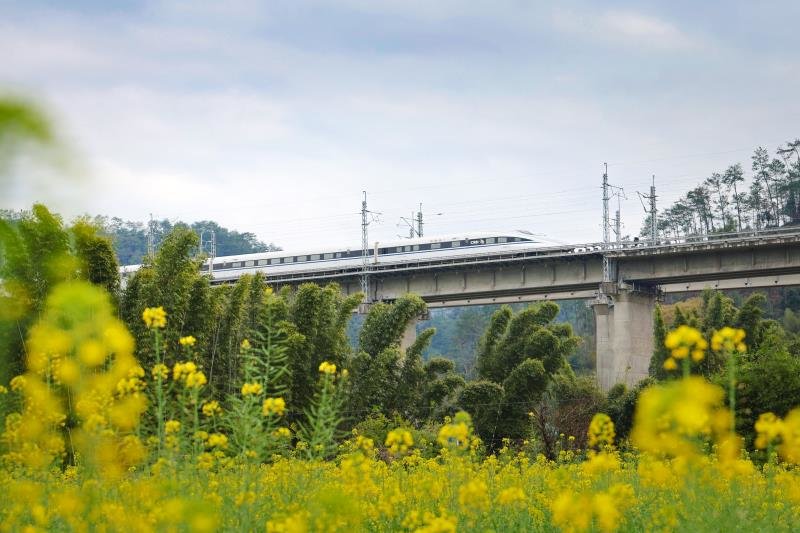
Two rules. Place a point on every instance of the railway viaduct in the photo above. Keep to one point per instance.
(620, 281)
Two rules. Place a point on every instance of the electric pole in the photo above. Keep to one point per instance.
(617, 226)
(212, 247)
(364, 248)
(367, 217)
(419, 221)
(606, 225)
(151, 237)
(652, 211)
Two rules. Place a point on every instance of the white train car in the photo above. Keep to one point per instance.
(400, 251)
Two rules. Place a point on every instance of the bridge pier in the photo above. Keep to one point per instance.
(624, 335)
(409, 335)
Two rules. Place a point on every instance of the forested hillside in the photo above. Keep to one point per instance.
(129, 238)
(731, 200)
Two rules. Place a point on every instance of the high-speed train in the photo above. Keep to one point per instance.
(401, 251)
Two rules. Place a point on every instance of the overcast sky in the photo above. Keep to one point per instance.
(272, 117)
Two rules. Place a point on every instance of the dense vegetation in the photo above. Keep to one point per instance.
(727, 202)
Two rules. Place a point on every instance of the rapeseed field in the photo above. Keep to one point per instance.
(95, 442)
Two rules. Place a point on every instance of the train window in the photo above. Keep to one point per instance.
(455, 244)
(415, 247)
(288, 259)
(328, 256)
(314, 257)
(502, 239)
(407, 249)
(490, 240)
(237, 264)
(435, 245)
(249, 263)
(203, 268)
(302, 258)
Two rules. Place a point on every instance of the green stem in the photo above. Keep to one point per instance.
(732, 389)
(195, 394)
(159, 394)
(686, 367)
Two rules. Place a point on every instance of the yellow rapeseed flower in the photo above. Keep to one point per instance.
(187, 341)
(511, 496)
(155, 317)
(172, 426)
(92, 353)
(273, 406)
(768, 427)
(212, 408)
(686, 340)
(181, 370)
(252, 388)
(327, 368)
(674, 418)
(283, 432)
(454, 435)
(399, 441)
(195, 380)
(160, 371)
(670, 364)
(729, 339)
(217, 440)
(474, 496)
(601, 431)
(245, 344)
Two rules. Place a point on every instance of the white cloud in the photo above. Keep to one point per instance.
(625, 28)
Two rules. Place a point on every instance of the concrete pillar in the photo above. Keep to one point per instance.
(624, 335)
(409, 335)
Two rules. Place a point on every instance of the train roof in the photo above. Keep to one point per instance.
(522, 234)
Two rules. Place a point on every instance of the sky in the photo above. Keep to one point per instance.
(273, 117)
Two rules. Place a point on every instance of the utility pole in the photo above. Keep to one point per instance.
(151, 237)
(652, 210)
(364, 248)
(606, 225)
(212, 248)
(618, 226)
(367, 217)
(419, 221)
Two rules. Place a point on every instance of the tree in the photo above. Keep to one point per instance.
(169, 280)
(317, 318)
(520, 353)
(37, 251)
(762, 175)
(379, 365)
(98, 263)
(660, 352)
(734, 175)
